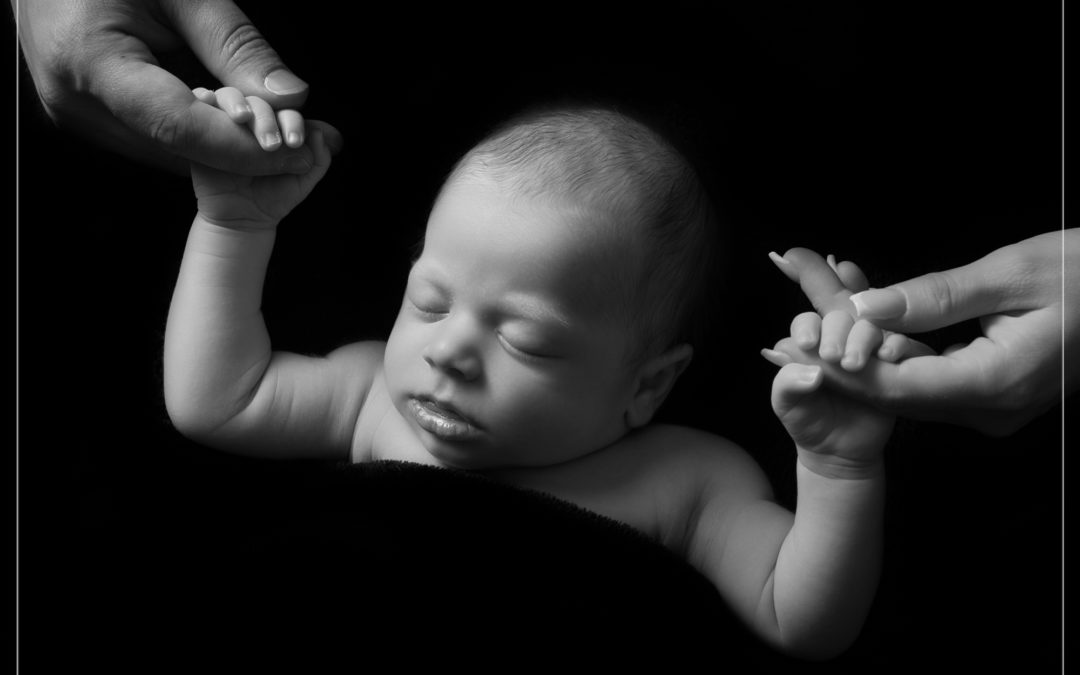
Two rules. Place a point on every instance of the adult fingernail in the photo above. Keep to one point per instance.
(879, 303)
(784, 266)
(776, 358)
(282, 82)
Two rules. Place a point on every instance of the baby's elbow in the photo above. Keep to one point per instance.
(817, 646)
(189, 419)
(194, 414)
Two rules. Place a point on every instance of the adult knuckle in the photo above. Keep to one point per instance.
(1021, 272)
(942, 291)
(168, 127)
(243, 43)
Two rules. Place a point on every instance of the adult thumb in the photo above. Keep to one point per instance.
(234, 51)
(938, 299)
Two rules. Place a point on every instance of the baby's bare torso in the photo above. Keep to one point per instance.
(652, 479)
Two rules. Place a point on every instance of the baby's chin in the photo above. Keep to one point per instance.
(482, 457)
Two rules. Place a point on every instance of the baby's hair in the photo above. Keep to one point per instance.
(617, 167)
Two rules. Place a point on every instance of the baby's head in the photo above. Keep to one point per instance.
(561, 286)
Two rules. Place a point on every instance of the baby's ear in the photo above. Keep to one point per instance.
(655, 378)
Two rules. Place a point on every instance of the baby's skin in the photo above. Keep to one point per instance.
(509, 357)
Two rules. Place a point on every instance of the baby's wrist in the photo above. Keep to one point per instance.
(238, 224)
(841, 468)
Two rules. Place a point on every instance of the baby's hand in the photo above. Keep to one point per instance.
(833, 331)
(835, 436)
(259, 202)
(268, 126)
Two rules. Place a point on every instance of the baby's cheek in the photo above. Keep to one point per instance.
(557, 423)
(398, 354)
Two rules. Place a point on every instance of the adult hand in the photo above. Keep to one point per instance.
(96, 69)
(1025, 296)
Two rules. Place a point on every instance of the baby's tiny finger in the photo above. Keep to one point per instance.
(232, 101)
(863, 340)
(891, 347)
(852, 276)
(264, 124)
(806, 330)
(834, 332)
(897, 347)
(205, 95)
(291, 124)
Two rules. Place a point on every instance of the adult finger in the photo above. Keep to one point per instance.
(233, 49)
(897, 347)
(819, 282)
(1016, 277)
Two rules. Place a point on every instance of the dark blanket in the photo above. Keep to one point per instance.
(334, 564)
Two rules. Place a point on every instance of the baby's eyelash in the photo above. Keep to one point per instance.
(428, 312)
(521, 353)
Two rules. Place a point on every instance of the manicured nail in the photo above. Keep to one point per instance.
(879, 303)
(283, 82)
(784, 266)
(831, 260)
(776, 358)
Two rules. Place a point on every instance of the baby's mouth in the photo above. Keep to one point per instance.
(443, 420)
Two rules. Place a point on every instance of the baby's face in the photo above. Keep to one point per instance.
(507, 351)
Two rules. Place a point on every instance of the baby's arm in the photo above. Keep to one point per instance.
(804, 581)
(828, 564)
(223, 385)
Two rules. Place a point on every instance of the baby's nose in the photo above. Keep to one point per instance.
(454, 354)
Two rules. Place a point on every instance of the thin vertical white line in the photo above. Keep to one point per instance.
(1064, 310)
(18, 449)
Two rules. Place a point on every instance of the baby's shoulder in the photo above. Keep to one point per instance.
(655, 479)
(685, 455)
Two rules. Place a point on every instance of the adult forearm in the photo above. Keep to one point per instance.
(828, 567)
(216, 343)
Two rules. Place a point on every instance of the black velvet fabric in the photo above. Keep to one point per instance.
(323, 562)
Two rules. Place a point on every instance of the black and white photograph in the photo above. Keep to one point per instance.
(678, 336)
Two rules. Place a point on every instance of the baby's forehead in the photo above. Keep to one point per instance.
(599, 251)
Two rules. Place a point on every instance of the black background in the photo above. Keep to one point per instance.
(909, 140)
